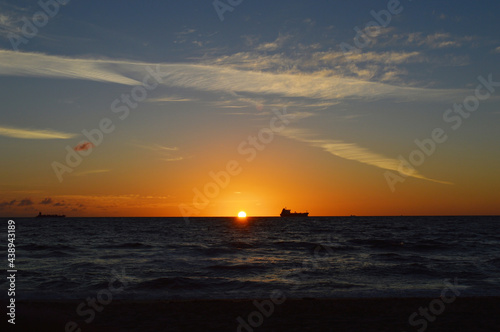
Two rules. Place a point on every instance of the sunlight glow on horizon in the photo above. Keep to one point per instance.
(203, 118)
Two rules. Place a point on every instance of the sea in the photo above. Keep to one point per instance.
(231, 258)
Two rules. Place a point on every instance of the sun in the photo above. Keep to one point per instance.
(242, 214)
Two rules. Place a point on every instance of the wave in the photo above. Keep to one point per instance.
(34, 246)
(415, 269)
(389, 257)
(132, 245)
(215, 251)
(295, 245)
(240, 245)
(431, 245)
(341, 285)
(378, 244)
(84, 265)
(58, 253)
(62, 283)
(184, 284)
(238, 267)
(494, 261)
(336, 247)
(169, 283)
(211, 258)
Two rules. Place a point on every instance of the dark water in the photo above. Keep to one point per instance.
(166, 258)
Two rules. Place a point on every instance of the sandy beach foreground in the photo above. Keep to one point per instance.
(368, 314)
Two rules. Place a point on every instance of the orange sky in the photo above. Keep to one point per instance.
(287, 173)
(102, 118)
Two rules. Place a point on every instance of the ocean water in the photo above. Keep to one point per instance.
(220, 258)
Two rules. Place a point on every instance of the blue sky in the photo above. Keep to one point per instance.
(221, 80)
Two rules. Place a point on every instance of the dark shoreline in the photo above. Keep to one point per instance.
(364, 314)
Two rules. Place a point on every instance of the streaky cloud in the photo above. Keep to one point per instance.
(170, 99)
(49, 66)
(352, 151)
(320, 85)
(33, 133)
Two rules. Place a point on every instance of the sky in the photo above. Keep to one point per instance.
(206, 108)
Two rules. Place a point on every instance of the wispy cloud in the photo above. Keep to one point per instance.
(183, 36)
(41, 65)
(8, 24)
(34, 133)
(362, 66)
(275, 45)
(436, 40)
(309, 85)
(391, 57)
(215, 78)
(46, 201)
(167, 153)
(11, 18)
(7, 203)
(169, 99)
(352, 151)
(157, 147)
(187, 31)
(25, 202)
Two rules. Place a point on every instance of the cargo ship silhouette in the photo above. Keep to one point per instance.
(287, 213)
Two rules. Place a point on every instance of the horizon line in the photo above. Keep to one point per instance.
(277, 216)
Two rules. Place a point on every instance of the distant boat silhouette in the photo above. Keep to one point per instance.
(40, 215)
(287, 213)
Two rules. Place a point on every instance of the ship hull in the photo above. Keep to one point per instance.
(288, 213)
(294, 214)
